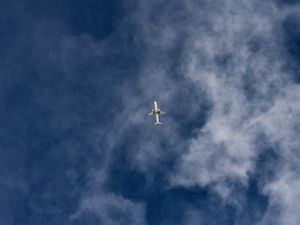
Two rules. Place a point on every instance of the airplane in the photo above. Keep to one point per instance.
(156, 111)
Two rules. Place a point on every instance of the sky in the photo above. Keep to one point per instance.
(78, 79)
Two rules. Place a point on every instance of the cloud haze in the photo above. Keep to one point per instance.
(78, 81)
(235, 54)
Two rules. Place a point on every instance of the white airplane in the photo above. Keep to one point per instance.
(156, 111)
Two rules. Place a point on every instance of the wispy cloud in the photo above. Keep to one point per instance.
(111, 209)
(233, 56)
(235, 53)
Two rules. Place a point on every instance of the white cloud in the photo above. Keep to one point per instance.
(234, 52)
(284, 203)
(112, 209)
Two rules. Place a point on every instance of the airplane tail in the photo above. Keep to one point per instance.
(157, 123)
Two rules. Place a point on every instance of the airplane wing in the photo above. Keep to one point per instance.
(162, 112)
(151, 113)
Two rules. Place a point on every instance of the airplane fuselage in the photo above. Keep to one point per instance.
(156, 111)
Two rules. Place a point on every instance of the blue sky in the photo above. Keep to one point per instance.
(78, 79)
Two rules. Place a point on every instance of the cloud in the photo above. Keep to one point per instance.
(284, 204)
(111, 209)
(236, 55)
(228, 60)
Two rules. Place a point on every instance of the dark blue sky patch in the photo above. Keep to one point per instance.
(168, 206)
(288, 2)
(97, 18)
(14, 24)
(291, 32)
(123, 178)
(291, 27)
